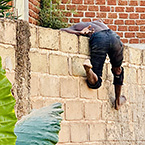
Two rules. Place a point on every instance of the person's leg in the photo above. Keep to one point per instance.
(119, 100)
(91, 76)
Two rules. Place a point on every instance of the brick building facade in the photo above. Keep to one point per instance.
(126, 17)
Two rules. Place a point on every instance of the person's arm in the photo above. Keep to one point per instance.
(84, 31)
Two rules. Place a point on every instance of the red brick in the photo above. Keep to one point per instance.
(133, 28)
(134, 16)
(33, 8)
(123, 15)
(82, 7)
(120, 34)
(64, 1)
(74, 20)
(122, 2)
(124, 40)
(35, 2)
(138, 9)
(108, 21)
(90, 14)
(79, 14)
(142, 41)
(101, 15)
(133, 3)
(119, 9)
(112, 27)
(68, 14)
(129, 22)
(77, 1)
(32, 21)
(140, 35)
(112, 9)
(142, 16)
(140, 22)
(111, 2)
(142, 28)
(129, 9)
(129, 35)
(33, 15)
(71, 7)
(62, 7)
(93, 8)
(142, 3)
(122, 28)
(100, 2)
(135, 41)
(86, 20)
(105, 8)
(112, 15)
(119, 22)
(89, 2)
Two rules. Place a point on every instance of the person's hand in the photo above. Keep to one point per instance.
(87, 30)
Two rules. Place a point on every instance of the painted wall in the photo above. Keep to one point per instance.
(57, 75)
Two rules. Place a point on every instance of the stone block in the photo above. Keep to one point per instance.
(143, 57)
(49, 86)
(48, 38)
(109, 73)
(135, 56)
(97, 131)
(8, 57)
(69, 87)
(74, 110)
(84, 45)
(85, 91)
(35, 85)
(79, 132)
(58, 65)
(34, 36)
(38, 62)
(93, 110)
(8, 31)
(37, 102)
(11, 77)
(77, 66)
(125, 54)
(64, 134)
(69, 42)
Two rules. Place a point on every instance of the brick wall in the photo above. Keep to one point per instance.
(34, 8)
(126, 17)
(57, 75)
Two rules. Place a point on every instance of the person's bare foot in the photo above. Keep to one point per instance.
(122, 101)
(87, 65)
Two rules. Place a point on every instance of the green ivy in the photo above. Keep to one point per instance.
(51, 15)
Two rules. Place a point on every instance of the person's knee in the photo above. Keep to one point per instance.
(96, 85)
(118, 75)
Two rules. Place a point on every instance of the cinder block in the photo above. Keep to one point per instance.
(69, 42)
(69, 87)
(97, 131)
(74, 110)
(85, 91)
(8, 31)
(49, 86)
(93, 110)
(79, 132)
(84, 45)
(35, 85)
(64, 134)
(77, 66)
(135, 56)
(48, 38)
(58, 65)
(38, 62)
(8, 57)
(34, 36)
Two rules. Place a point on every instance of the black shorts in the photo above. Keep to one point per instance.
(102, 43)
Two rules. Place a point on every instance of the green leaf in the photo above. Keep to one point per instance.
(7, 113)
(40, 127)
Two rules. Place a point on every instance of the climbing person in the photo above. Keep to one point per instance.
(102, 41)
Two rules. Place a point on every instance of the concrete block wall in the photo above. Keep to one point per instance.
(57, 75)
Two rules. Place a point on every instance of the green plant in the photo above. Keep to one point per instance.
(7, 113)
(40, 127)
(5, 10)
(51, 15)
